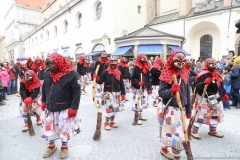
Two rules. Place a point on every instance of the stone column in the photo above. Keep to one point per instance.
(184, 7)
(228, 2)
(135, 51)
(164, 52)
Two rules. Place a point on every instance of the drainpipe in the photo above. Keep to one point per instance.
(184, 40)
(156, 8)
(229, 21)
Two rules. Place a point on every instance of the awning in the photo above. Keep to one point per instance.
(178, 48)
(94, 53)
(122, 51)
(150, 49)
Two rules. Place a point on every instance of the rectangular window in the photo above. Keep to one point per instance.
(139, 9)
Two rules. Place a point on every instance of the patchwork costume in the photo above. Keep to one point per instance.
(123, 68)
(114, 93)
(60, 98)
(103, 61)
(156, 72)
(142, 67)
(172, 129)
(210, 110)
(29, 92)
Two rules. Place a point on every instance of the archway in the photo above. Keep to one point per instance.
(194, 36)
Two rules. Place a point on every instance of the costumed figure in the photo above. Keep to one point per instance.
(140, 77)
(210, 110)
(29, 62)
(103, 61)
(29, 92)
(123, 68)
(114, 92)
(156, 72)
(172, 134)
(88, 70)
(38, 67)
(81, 72)
(60, 101)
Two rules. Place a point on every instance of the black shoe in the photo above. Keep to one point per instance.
(238, 107)
(2, 103)
(233, 104)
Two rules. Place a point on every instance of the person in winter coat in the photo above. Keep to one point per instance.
(172, 133)
(11, 84)
(226, 80)
(141, 85)
(235, 75)
(156, 72)
(5, 79)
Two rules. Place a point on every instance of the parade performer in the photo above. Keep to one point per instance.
(88, 70)
(172, 131)
(29, 92)
(38, 67)
(60, 101)
(123, 68)
(142, 67)
(29, 62)
(156, 72)
(113, 89)
(103, 61)
(210, 110)
(81, 72)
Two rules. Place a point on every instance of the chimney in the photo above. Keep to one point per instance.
(184, 7)
(228, 2)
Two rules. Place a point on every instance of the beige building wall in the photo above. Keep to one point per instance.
(169, 6)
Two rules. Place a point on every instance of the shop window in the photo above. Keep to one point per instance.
(99, 10)
(98, 47)
(139, 9)
(206, 47)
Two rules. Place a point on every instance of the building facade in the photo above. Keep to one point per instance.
(3, 53)
(76, 27)
(207, 25)
(20, 19)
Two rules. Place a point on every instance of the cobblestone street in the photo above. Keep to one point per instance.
(124, 143)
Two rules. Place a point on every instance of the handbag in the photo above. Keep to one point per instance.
(1, 85)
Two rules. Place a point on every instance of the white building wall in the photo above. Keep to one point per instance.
(91, 29)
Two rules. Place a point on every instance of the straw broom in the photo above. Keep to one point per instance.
(135, 122)
(185, 143)
(30, 125)
(196, 111)
(97, 133)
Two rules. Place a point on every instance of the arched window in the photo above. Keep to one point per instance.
(206, 47)
(98, 47)
(99, 10)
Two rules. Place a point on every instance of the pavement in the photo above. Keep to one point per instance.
(124, 143)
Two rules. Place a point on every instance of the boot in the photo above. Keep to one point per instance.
(25, 128)
(139, 122)
(113, 125)
(106, 126)
(195, 135)
(39, 122)
(49, 151)
(63, 152)
(166, 154)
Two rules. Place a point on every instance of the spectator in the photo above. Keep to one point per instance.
(235, 75)
(4, 78)
(231, 54)
(11, 84)
(230, 62)
(151, 60)
(15, 66)
(226, 85)
(199, 66)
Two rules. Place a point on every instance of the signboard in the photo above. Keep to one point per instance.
(151, 42)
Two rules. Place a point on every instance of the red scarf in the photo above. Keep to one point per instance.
(124, 65)
(81, 60)
(87, 64)
(145, 68)
(216, 76)
(115, 72)
(158, 64)
(30, 62)
(36, 66)
(106, 61)
(35, 83)
(168, 70)
(63, 64)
